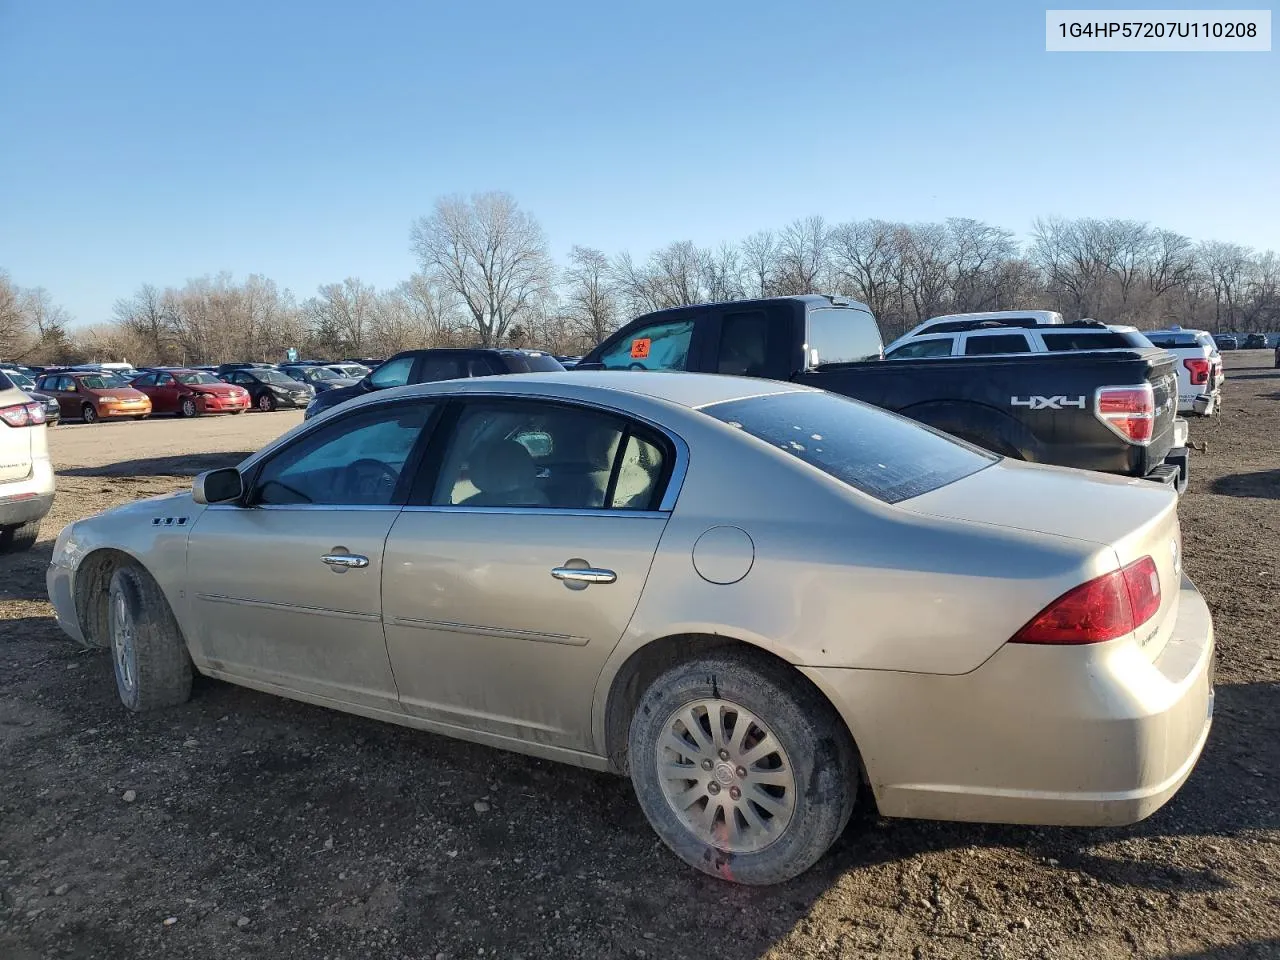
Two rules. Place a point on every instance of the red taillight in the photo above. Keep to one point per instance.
(23, 415)
(1106, 607)
(1199, 369)
(1128, 411)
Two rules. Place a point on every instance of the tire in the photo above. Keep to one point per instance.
(267, 402)
(142, 417)
(148, 653)
(188, 408)
(236, 413)
(19, 538)
(89, 413)
(810, 741)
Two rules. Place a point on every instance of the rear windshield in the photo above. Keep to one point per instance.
(1167, 341)
(881, 454)
(843, 335)
(524, 363)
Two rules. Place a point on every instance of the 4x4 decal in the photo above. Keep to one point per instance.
(1048, 403)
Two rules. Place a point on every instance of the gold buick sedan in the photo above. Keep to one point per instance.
(750, 597)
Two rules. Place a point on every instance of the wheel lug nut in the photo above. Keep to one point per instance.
(741, 772)
(706, 764)
(713, 788)
(724, 754)
(735, 793)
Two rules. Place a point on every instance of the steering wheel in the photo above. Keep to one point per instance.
(368, 479)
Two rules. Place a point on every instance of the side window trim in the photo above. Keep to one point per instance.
(405, 485)
(442, 430)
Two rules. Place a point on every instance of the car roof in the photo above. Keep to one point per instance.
(692, 390)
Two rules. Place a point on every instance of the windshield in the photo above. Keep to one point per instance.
(881, 454)
(197, 378)
(19, 379)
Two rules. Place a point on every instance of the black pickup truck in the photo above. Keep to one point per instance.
(1110, 410)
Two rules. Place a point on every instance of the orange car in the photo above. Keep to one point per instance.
(94, 396)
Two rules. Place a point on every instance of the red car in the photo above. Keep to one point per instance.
(189, 393)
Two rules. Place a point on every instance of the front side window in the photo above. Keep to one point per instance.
(922, 349)
(843, 335)
(393, 373)
(881, 454)
(996, 343)
(534, 454)
(197, 378)
(358, 461)
(659, 346)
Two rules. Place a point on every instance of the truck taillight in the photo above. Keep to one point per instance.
(1129, 412)
(23, 415)
(1106, 607)
(1199, 369)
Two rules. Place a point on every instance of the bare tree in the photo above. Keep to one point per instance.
(862, 255)
(590, 300)
(978, 253)
(15, 325)
(491, 254)
(760, 257)
(341, 314)
(1226, 265)
(802, 255)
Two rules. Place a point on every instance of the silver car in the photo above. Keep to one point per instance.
(747, 596)
(26, 473)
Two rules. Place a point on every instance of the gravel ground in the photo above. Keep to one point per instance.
(243, 825)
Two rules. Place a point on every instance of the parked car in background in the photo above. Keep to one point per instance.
(445, 363)
(1199, 367)
(1255, 341)
(968, 321)
(190, 393)
(26, 473)
(349, 371)
(1226, 341)
(987, 337)
(656, 575)
(52, 412)
(269, 389)
(370, 363)
(318, 377)
(222, 368)
(94, 396)
(1111, 409)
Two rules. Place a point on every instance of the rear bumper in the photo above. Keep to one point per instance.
(19, 508)
(1174, 471)
(1073, 736)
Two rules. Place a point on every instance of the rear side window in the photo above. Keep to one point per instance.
(976, 346)
(843, 335)
(440, 368)
(1090, 341)
(881, 454)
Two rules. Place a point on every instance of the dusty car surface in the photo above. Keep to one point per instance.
(746, 595)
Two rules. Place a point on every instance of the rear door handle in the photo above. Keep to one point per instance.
(346, 561)
(584, 574)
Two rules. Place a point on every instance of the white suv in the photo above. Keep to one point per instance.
(1199, 367)
(26, 473)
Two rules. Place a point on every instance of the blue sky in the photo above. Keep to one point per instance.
(153, 142)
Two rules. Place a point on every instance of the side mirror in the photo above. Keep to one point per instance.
(218, 486)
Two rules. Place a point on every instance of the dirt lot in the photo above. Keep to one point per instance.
(243, 825)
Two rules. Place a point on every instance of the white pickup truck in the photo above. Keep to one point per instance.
(1199, 368)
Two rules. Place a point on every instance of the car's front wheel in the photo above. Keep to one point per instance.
(267, 402)
(89, 413)
(188, 407)
(152, 666)
(744, 770)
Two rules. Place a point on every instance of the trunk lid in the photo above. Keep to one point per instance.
(1134, 518)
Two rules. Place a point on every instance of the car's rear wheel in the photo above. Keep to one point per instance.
(743, 769)
(89, 413)
(266, 402)
(21, 537)
(188, 407)
(236, 413)
(152, 666)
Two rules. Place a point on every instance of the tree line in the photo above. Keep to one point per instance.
(486, 277)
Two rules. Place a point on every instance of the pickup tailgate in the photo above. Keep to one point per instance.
(1132, 518)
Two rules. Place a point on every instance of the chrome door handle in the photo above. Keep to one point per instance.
(584, 574)
(349, 561)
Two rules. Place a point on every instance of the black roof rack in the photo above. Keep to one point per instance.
(1013, 323)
